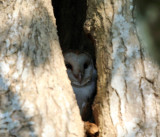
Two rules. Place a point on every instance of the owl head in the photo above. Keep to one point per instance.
(79, 67)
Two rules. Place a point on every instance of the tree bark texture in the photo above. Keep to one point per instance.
(128, 97)
(36, 98)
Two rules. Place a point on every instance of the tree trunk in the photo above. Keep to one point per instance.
(128, 99)
(36, 98)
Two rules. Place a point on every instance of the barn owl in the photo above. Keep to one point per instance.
(82, 75)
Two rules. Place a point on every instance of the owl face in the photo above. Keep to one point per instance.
(79, 68)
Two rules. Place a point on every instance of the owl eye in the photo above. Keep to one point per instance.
(68, 66)
(86, 65)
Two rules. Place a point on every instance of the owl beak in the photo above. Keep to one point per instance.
(79, 77)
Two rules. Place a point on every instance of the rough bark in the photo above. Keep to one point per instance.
(36, 98)
(127, 101)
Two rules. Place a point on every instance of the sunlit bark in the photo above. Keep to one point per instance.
(127, 101)
(36, 98)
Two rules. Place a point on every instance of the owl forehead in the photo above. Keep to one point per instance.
(76, 58)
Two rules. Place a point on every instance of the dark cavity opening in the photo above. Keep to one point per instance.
(70, 17)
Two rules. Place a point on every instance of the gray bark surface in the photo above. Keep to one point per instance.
(36, 98)
(127, 101)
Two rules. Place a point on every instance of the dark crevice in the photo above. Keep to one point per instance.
(70, 17)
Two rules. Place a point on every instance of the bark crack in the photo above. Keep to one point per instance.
(124, 60)
(112, 4)
(143, 102)
(119, 106)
